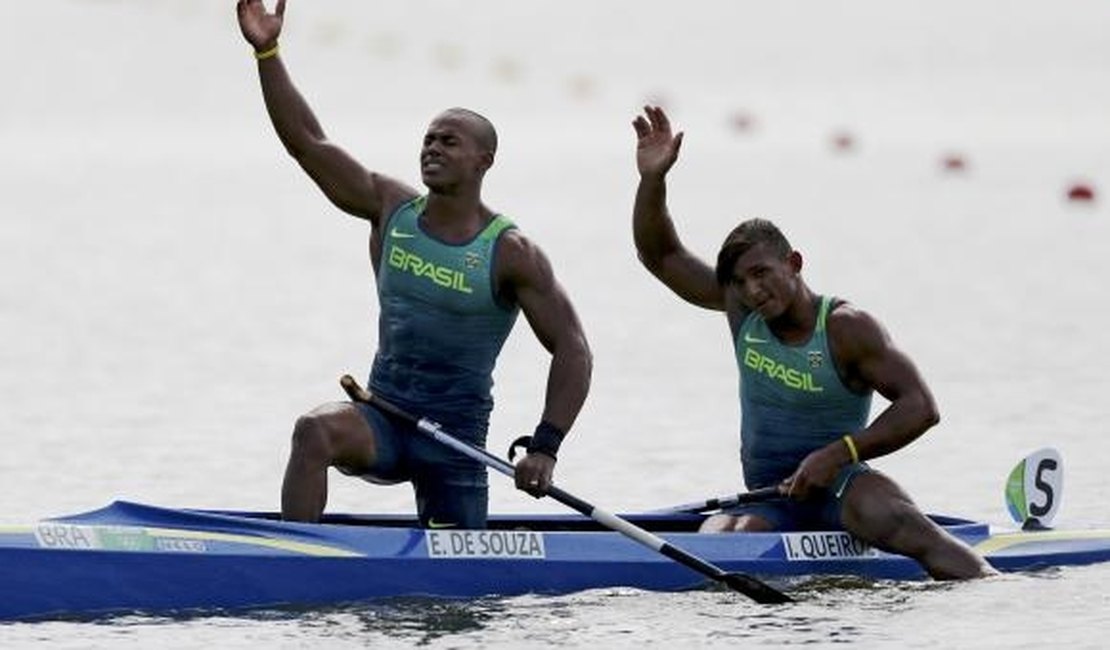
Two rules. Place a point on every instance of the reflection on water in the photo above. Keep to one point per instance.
(425, 620)
(830, 612)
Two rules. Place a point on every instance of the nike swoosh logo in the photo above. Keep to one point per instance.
(432, 523)
(748, 338)
(397, 234)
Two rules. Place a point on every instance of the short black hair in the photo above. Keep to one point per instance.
(742, 238)
(484, 133)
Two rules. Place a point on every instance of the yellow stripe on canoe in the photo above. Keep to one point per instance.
(304, 548)
(1008, 540)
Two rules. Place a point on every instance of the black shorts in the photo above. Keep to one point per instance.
(451, 489)
(820, 512)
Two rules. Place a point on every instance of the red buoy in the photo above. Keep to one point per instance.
(743, 121)
(842, 141)
(954, 162)
(1081, 192)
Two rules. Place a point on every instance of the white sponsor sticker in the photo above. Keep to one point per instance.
(502, 544)
(806, 547)
(174, 545)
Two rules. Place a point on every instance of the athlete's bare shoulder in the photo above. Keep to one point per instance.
(854, 331)
(392, 194)
(520, 262)
(863, 350)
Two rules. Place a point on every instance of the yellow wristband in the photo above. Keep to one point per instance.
(273, 51)
(851, 447)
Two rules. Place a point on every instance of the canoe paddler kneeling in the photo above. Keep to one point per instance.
(451, 277)
(809, 365)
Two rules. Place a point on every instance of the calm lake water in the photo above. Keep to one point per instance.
(173, 291)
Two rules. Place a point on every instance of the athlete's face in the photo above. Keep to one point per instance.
(451, 155)
(764, 281)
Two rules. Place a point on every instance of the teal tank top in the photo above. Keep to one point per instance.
(441, 326)
(792, 400)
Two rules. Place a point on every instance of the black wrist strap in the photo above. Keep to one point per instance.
(546, 440)
(522, 441)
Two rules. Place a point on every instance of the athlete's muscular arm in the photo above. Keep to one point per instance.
(867, 358)
(346, 183)
(657, 243)
(872, 360)
(525, 276)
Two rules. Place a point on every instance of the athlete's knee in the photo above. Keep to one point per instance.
(723, 523)
(314, 436)
(717, 524)
(334, 435)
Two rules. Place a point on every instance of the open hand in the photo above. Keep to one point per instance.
(260, 28)
(656, 147)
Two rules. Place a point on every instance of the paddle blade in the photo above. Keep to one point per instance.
(760, 592)
(1034, 488)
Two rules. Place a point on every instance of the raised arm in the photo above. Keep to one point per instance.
(345, 182)
(525, 276)
(657, 243)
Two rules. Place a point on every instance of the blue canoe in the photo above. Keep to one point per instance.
(129, 557)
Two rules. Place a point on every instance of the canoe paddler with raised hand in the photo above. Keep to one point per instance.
(809, 365)
(451, 277)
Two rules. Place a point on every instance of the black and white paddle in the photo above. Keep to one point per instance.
(745, 584)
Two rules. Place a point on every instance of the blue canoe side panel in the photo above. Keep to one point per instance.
(130, 557)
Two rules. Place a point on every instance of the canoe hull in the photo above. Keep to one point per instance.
(134, 558)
